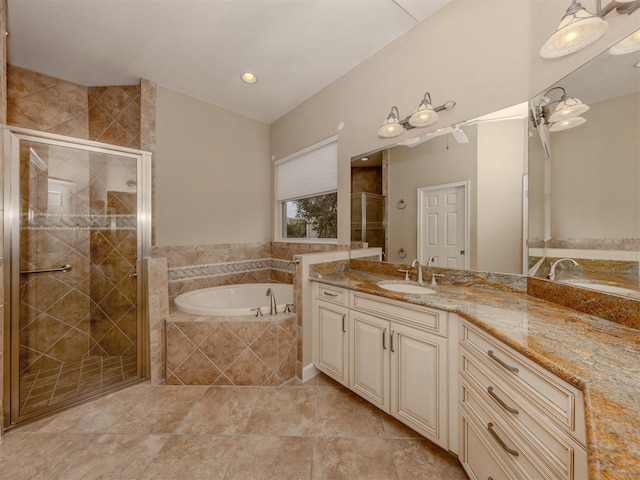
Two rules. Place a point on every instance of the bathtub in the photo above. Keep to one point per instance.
(215, 338)
(234, 300)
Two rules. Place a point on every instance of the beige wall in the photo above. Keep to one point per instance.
(438, 161)
(483, 55)
(502, 150)
(213, 181)
(595, 173)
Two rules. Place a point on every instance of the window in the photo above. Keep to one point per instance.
(307, 192)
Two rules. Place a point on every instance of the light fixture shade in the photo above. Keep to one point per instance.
(578, 29)
(567, 108)
(391, 126)
(424, 116)
(567, 124)
(628, 44)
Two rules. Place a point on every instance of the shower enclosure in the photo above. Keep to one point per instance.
(77, 226)
(368, 223)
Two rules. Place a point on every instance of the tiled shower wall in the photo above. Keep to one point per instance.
(106, 114)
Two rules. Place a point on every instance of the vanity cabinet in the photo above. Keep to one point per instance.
(331, 332)
(397, 356)
(527, 422)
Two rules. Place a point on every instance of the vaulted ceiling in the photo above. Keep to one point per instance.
(201, 47)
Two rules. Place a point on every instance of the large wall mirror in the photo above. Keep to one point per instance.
(584, 187)
(450, 198)
(584, 177)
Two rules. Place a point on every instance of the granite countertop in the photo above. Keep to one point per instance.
(600, 357)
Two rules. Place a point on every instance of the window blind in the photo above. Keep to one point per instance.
(310, 172)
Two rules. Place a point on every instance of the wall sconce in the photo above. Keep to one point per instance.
(424, 116)
(580, 28)
(566, 114)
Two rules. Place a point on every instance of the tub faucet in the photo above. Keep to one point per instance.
(552, 272)
(273, 310)
(416, 264)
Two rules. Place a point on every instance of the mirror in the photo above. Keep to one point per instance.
(450, 198)
(580, 204)
(584, 182)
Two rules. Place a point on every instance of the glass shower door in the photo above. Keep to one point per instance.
(74, 311)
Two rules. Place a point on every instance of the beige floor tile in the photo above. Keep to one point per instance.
(221, 411)
(353, 458)
(269, 458)
(112, 456)
(43, 455)
(284, 411)
(162, 410)
(194, 457)
(342, 413)
(394, 429)
(421, 459)
(96, 416)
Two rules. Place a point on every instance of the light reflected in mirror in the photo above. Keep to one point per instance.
(584, 183)
(451, 198)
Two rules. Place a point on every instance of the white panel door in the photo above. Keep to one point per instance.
(442, 226)
(370, 359)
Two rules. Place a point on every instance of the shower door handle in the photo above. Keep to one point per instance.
(63, 268)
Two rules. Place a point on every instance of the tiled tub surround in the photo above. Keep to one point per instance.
(598, 356)
(193, 267)
(241, 351)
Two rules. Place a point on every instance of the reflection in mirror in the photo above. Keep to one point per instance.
(584, 182)
(454, 197)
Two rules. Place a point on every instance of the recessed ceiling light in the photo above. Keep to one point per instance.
(248, 77)
(364, 159)
(637, 65)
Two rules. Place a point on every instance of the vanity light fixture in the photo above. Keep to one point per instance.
(628, 44)
(566, 114)
(424, 116)
(580, 28)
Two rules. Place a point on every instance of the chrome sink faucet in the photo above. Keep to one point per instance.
(552, 272)
(416, 264)
(430, 260)
(273, 310)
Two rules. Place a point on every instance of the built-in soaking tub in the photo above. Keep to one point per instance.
(235, 300)
(214, 338)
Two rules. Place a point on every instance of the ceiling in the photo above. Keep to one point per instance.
(201, 47)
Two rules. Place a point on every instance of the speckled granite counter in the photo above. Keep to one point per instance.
(600, 357)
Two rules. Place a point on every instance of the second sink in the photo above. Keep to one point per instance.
(405, 287)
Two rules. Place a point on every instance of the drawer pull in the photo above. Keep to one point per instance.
(392, 334)
(329, 294)
(502, 404)
(500, 441)
(344, 330)
(384, 338)
(508, 367)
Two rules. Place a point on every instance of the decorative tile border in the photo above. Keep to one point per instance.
(191, 272)
(64, 221)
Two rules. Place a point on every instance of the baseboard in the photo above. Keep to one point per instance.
(309, 371)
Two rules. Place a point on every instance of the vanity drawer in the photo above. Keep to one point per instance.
(503, 440)
(557, 449)
(416, 316)
(552, 396)
(331, 294)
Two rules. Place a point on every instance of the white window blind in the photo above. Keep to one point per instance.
(312, 171)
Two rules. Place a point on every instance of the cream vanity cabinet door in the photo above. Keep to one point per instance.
(331, 328)
(370, 359)
(419, 381)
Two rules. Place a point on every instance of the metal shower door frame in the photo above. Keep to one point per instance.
(11, 137)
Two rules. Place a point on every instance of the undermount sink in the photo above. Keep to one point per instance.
(405, 287)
